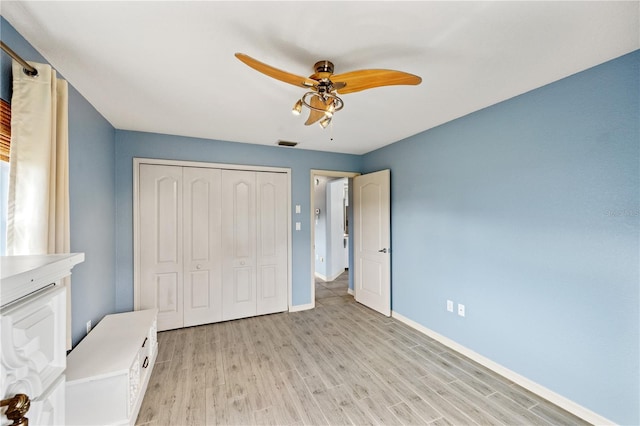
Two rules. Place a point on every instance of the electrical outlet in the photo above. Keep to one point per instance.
(88, 326)
(460, 309)
(450, 305)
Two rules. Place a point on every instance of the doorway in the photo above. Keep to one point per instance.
(331, 239)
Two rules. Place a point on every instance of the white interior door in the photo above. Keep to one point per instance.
(239, 240)
(372, 240)
(161, 262)
(202, 227)
(272, 243)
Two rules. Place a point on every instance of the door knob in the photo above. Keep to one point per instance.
(198, 266)
(17, 407)
(384, 250)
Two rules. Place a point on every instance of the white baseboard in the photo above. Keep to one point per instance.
(329, 279)
(350, 291)
(322, 277)
(557, 399)
(298, 308)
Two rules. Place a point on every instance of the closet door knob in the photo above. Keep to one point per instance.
(198, 266)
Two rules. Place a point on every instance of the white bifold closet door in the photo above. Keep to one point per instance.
(202, 215)
(160, 251)
(213, 244)
(254, 223)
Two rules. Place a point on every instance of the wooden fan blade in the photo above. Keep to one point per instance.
(272, 72)
(368, 79)
(339, 85)
(314, 115)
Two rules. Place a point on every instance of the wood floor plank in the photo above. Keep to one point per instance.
(217, 408)
(380, 413)
(474, 404)
(266, 417)
(406, 415)
(492, 380)
(214, 370)
(166, 346)
(412, 333)
(517, 414)
(409, 396)
(340, 363)
(308, 406)
(442, 406)
(459, 373)
(239, 411)
(334, 413)
(274, 386)
(342, 398)
(151, 404)
(556, 416)
(433, 364)
(185, 403)
(441, 422)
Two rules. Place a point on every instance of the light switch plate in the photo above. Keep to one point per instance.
(298, 226)
(450, 305)
(297, 208)
(460, 309)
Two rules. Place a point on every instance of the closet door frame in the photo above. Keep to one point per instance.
(136, 211)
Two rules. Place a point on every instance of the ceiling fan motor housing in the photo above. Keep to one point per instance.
(324, 66)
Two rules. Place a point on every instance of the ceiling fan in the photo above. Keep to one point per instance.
(324, 86)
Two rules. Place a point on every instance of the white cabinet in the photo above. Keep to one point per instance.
(33, 333)
(108, 372)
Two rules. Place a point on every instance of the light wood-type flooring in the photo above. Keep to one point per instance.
(338, 364)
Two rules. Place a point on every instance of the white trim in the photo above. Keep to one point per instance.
(298, 308)
(322, 277)
(549, 395)
(329, 279)
(136, 220)
(136, 234)
(333, 278)
(312, 228)
(290, 243)
(350, 291)
(224, 166)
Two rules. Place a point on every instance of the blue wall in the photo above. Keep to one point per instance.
(527, 212)
(91, 191)
(150, 145)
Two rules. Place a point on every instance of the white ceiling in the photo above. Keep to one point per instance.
(169, 67)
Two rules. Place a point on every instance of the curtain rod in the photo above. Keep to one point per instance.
(28, 69)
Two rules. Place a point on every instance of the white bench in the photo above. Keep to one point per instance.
(108, 372)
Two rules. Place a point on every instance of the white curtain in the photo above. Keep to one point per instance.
(38, 208)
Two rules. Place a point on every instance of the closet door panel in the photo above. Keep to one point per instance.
(272, 242)
(239, 242)
(202, 246)
(161, 265)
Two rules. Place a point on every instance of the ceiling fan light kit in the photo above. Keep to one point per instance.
(322, 98)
